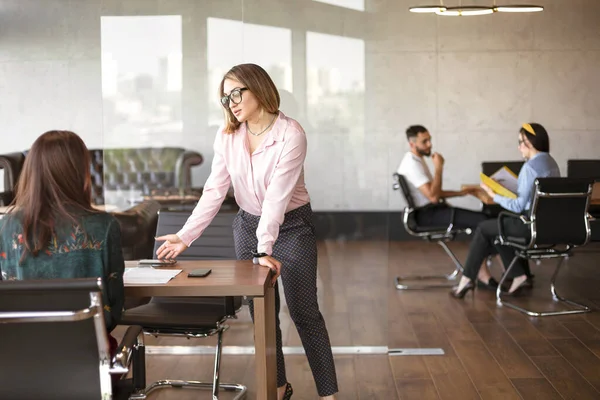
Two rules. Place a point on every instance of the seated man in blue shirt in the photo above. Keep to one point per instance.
(534, 146)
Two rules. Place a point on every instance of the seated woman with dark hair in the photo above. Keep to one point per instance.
(534, 145)
(52, 231)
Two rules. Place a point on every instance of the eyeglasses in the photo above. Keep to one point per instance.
(235, 97)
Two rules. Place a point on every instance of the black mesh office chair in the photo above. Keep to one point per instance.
(215, 243)
(583, 169)
(192, 317)
(440, 235)
(558, 222)
(588, 169)
(54, 343)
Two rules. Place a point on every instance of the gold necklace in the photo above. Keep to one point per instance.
(264, 130)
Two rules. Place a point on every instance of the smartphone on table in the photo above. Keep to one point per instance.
(157, 263)
(199, 273)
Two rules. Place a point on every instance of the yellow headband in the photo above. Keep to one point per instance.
(529, 129)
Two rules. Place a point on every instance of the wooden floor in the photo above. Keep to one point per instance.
(490, 353)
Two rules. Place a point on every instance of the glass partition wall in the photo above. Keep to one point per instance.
(161, 67)
(137, 80)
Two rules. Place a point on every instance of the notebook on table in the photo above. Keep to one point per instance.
(148, 276)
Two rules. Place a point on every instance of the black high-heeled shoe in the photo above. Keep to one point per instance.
(464, 291)
(491, 284)
(289, 391)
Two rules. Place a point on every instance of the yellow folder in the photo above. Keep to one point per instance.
(503, 182)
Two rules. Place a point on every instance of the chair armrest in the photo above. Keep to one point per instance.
(183, 166)
(502, 237)
(120, 362)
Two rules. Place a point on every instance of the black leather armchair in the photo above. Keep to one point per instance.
(558, 222)
(440, 235)
(54, 343)
(138, 225)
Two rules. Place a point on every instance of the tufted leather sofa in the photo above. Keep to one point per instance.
(145, 169)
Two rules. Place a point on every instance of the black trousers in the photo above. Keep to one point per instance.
(482, 245)
(437, 215)
(296, 249)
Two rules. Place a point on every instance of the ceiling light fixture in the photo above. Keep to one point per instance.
(464, 11)
(468, 10)
(519, 8)
(428, 9)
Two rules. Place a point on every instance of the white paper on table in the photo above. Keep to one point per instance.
(148, 276)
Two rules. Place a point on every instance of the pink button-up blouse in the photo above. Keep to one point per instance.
(268, 182)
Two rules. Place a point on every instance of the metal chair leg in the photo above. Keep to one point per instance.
(580, 308)
(217, 365)
(214, 386)
(139, 364)
(447, 277)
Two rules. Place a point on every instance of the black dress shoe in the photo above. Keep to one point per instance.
(491, 284)
(464, 291)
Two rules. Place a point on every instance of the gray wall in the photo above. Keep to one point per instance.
(472, 81)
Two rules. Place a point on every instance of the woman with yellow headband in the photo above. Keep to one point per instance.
(534, 146)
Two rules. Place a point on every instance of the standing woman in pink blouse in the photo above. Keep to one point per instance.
(261, 153)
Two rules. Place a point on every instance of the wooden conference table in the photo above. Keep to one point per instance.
(229, 278)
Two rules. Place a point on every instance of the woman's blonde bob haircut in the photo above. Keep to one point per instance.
(256, 80)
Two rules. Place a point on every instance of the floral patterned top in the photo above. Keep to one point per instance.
(89, 248)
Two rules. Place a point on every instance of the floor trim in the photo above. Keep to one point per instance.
(416, 352)
(292, 350)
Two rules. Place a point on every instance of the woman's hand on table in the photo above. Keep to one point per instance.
(171, 248)
(273, 264)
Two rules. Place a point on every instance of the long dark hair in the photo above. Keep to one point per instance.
(54, 186)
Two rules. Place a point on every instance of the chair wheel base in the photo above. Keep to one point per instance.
(181, 384)
(581, 309)
(448, 278)
(578, 308)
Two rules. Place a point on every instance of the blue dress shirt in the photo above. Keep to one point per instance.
(542, 165)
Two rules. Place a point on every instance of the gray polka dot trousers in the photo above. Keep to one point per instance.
(296, 249)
